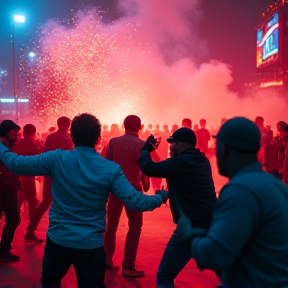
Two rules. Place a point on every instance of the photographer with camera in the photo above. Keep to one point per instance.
(191, 188)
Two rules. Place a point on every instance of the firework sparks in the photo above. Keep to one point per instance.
(81, 67)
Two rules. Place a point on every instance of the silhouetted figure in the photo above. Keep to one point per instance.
(51, 130)
(157, 131)
(144, 133)
(196, 128)
(271, 153)
(282, 142)
(27, 146)
(9, 186)
(150, 128)
(248, 237)
(203, 137)
(163, 148)
(259, 121)
(285, 167)
(186, 122)
(58, 140)
(106, 133)
(174, 128)
(114, 131)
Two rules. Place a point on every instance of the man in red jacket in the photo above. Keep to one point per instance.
(125, 151)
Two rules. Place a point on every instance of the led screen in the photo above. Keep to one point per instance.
(268, 41)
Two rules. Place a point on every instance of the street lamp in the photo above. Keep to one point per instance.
(18, 19)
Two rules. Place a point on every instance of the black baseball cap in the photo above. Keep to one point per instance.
(240, 134)
(183, 135)
(6, 126)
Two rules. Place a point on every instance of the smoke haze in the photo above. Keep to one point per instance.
(144, 63)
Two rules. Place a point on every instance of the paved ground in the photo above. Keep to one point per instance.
(157, 229)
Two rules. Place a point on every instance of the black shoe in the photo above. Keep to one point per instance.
(8, 257)
(112, 268)
(132, 273)
(32, 237)
(165, 283)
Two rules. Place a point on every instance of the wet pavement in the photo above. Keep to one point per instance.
(157, 228)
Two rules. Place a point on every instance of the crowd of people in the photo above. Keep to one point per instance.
(89, 172)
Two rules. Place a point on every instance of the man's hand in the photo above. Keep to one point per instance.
(150, 144)
(164, 194)
(186, 232)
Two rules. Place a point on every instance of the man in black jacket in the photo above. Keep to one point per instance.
(189, 179)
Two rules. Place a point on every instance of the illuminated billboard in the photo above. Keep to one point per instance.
(268, 43)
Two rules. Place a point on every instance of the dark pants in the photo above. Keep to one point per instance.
(9, 207)
(42, 207)
(28, 193)
(89, 264)
(175, 258)
(135, 219)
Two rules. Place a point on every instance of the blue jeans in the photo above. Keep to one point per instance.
(175, 258)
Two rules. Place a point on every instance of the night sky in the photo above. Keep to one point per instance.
(227, 27)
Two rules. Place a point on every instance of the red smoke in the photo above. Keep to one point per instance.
(140, 64)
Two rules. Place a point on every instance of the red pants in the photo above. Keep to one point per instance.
(135, 218)
(28, 193)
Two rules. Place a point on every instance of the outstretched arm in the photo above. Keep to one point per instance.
(132, 198)
(28, 165)
(230, 230)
